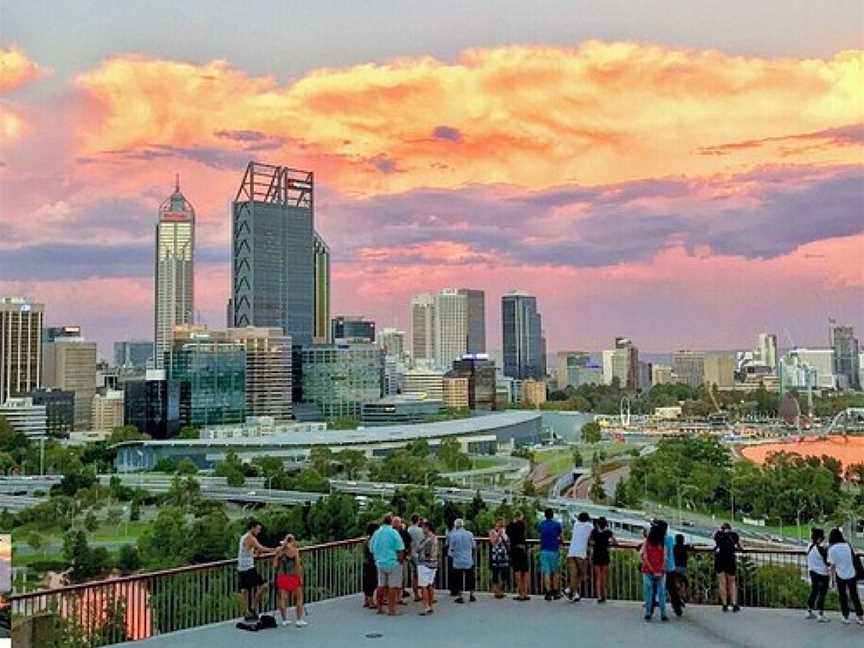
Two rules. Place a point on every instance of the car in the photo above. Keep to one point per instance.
(251, 494)
(688, 523)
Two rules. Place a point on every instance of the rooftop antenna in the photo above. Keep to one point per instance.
(177, 182)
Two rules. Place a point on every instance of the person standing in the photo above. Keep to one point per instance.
(578, 565)
(415, 533)
(462, 550)
(820, 579)
(427, 567)
(406, 563)
(252, 586)
(550, 531)
(653, 554)
(726, 543)
(499, 557)
(601, 540)
(370, 572)
(671, 573)
(451, 573)
(289, 579)
(389, 552)
(841, 558)
(681, 552)
(517, 533)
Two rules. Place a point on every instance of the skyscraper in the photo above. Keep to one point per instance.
(273, 251)
(689, 367)
(69, 363)
(767, 350)
(846, 349)
(623, 363)
(476, 313)
(268, 371)
(175, 270)
(321, 261)
(521, 335)
(450, 326)
(392, 341)
(569, 365)
(423, 328)
(133, 353)
(20, 346)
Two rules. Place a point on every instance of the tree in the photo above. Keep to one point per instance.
(85, 563)
(166, 540)
(591, 432)
(577, 458)
(128, 559)
(451, 455)
(126, 433)
(91, 522)
(597, 493)
(621, 497)
(35, 541)
(528, 488)
(186, 467)
(188, 432)
(352, 461)
(231, 468)
(322, 461)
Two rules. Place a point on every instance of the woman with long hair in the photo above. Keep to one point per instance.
(653, 554)
(841, 558)
(370, 571)
(499, 557)
(601, 540)
(289, 579)
(517, 532)
(820, 580)
(427, 567)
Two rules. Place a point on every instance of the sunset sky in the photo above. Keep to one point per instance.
(685, 175)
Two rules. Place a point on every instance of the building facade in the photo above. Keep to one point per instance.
(482, 381)
(20, 346)
(273, 251)
(152, 405)
(533, 392)
(423, 328)
(69, 363)
(455, 392)
(352, 328)
(338, 380)
(107, 410)
(422, 380)
(521, 336)
(321, 302)
(25, 417)
(133, 354)
(175, 270)
(569, 364)
(268, 371)
(689, 367)
(392, 342)
(400, 410)
(59, 410)
(451, 327)
(662, 375)
(719, 369)
(476, 314)
(844, 344)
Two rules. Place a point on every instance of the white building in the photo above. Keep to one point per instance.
(25, 417)
(451, 327)
(423, 328)
(424, 381)
(820, 360)
(107, 410)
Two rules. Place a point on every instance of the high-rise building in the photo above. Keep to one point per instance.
(392, 341)
(268, 371)
(476, 313)
(661, 375)
(719, 369)
(133, 353)
(455, 392)
(569, 363)
(423, 328)
(59, 409)
(819, 364)
(645, 373)
(451, 327)
(321, 302)
(69, 363)
(152, 405)
(622, 363)
(20, 346)
(522, 336)
(338, 380)
(689, 367)
(352, 328)
(175, 270)
(212, 374)
(482, 380)
(845, 347)
(766, 350)
(273, 251)
(107, 410)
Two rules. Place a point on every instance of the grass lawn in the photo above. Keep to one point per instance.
(559, 460)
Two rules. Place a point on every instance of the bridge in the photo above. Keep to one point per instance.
(849, 420)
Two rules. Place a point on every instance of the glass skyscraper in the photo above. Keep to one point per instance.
(522, 336)
(175, 270)
(339, 379)
(273, 251)
(321, 328)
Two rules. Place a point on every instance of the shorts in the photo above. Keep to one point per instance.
(390, 577)
(579, 567)
(288, 582)
(249, 579)
(519, 558)
(426, 575)
(550, 562)
(500, 575)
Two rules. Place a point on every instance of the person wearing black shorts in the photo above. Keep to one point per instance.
(601, 539)
(517, 533)
(726, 542)
(252, 586)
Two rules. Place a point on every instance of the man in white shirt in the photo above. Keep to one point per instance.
(578, 566)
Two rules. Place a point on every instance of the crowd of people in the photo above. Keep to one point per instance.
(401, 560)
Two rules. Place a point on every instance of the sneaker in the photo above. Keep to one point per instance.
(286, 622)
(647, 617)
(556, 596)
(736, 608)
(845, 621)
(301, 623)
(824, 619)
(810, 614)
(725, 608)
(459, 599)
(664, 618)
(860, 621)
(548, 596)
(601, 600)
(568, 593)
(472, 598)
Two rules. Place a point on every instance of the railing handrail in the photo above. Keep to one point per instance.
(170, 572)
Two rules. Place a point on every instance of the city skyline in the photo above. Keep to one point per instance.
(687, 188)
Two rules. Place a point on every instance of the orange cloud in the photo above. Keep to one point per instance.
(530, 116)
(15, 70)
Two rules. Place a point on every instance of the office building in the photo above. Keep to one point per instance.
(211, 371)
(133, 354)
(321, 296)
(766, 350)
(451, 327)
(662, 375)
(54, 333)
(268, 371)
(622, 363)
(844, 344)
(175, 270)
(352, 328)
(569, 363)
(107, 410)
(455, 392)
(819, 361)
(482, 380)
(393, 371)
(69, 363)
(533, 392)
(152, 405)
(644, 375)
(273, 251)
(423, 329)
(591, 374)
(392, 341)
(59, 409)
(25, 417)
(689, 367)
(719, 369)
(476, 314)
(423, 380)
(338, 380)
(400, 410)
(20, 346)
(521, 335)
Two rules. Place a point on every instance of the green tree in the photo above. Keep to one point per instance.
(85, 563)
(126, 433)
(165, 542)
(577, 458)
(591, 432)
(35, 541)
(231, 468)
(450, 454)
(128, 559)
(528, 488)
(597, 493)
(352, 462)
(188, 432)
(186, 467)
(91, 522)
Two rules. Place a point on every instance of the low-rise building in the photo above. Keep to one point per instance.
(60, 409)
(533, 392)
(424, 381)
(107, 410)
(397, 410)
(455, 392)
(25, 417)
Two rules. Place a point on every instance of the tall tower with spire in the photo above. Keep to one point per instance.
(175, 270)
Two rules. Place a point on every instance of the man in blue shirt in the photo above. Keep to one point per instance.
(461, 547)
(550, 554)
(389, 551)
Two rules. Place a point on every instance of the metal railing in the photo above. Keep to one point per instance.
(145, 605)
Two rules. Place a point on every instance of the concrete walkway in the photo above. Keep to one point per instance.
(489, 623)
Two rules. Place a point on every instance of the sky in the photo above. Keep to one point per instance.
(685, 174)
